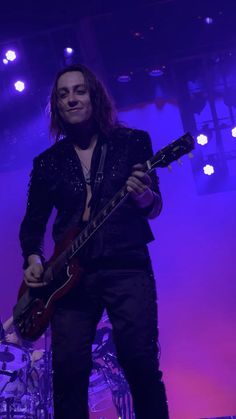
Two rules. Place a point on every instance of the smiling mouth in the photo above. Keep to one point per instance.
(74, 109)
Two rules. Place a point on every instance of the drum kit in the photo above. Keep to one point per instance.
(26, 379)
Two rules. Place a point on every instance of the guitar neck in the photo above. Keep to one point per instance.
(91, 228)
(101, 217)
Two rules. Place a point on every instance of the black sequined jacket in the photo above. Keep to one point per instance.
(57, 181)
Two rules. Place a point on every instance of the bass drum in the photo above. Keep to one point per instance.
(100, 397)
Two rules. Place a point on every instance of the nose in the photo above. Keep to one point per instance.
(72, 99)
(72, 102)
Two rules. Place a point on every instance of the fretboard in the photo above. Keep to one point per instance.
(91, 228)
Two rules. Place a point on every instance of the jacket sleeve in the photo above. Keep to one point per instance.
(141, 151)
(38, 210)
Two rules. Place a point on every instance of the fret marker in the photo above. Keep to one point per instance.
(149, 165)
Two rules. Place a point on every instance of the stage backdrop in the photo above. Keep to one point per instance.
(193, 261)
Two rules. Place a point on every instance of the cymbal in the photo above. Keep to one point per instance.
(13, 357)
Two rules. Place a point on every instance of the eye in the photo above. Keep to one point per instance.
(80, 91)
(62, 95)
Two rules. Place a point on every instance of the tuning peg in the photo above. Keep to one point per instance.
(190, 155)
(169, 168)
(180, 162)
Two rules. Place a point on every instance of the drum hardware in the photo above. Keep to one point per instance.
(40, 381)
(119, 387)
(8, 373)
(107, 382)
(25, 388)
(108, 385)
(12, 377)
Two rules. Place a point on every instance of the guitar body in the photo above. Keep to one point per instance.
(35, 306)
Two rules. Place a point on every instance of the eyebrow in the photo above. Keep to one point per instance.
(73, 87)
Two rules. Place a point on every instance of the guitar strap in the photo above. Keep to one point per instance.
(98, 180)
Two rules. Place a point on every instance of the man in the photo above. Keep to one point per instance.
(117, 269)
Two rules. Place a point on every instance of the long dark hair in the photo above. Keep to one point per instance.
(104, 114)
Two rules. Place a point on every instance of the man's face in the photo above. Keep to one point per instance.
(73, 101)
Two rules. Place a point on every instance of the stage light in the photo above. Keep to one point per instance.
(68, 55)
(124, 78)
(19, 86)
(156, 72)
(138, 35)
(208, 20)
(68, 51)
(202, 139)
(234, 132)
(208, 169)
(10, 55)
(5, 61)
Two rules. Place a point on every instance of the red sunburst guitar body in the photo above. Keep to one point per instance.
(35, 305)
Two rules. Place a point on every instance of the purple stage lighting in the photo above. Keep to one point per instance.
(5, 61)
(68, 51)
(202, 139)
(208, 169)
(124, 78)
(234, 132)
(156, 72)
(208, 20)
(19, 86)
(10, 55)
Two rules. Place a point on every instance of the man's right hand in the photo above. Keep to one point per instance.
(34, 272)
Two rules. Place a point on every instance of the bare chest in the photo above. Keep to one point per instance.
(85, 157)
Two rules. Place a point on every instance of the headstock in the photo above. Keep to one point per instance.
(172, 152)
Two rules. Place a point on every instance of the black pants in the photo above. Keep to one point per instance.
(129, 297)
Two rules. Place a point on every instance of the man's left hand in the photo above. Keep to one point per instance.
(138, 184)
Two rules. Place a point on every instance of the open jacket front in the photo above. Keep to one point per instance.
(57, 180)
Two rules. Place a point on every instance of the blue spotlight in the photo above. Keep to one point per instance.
(19, 86)
(208, 169)
(10, 55)
(209, 20)
(233, 131)
(68, 51)
(202, 139)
